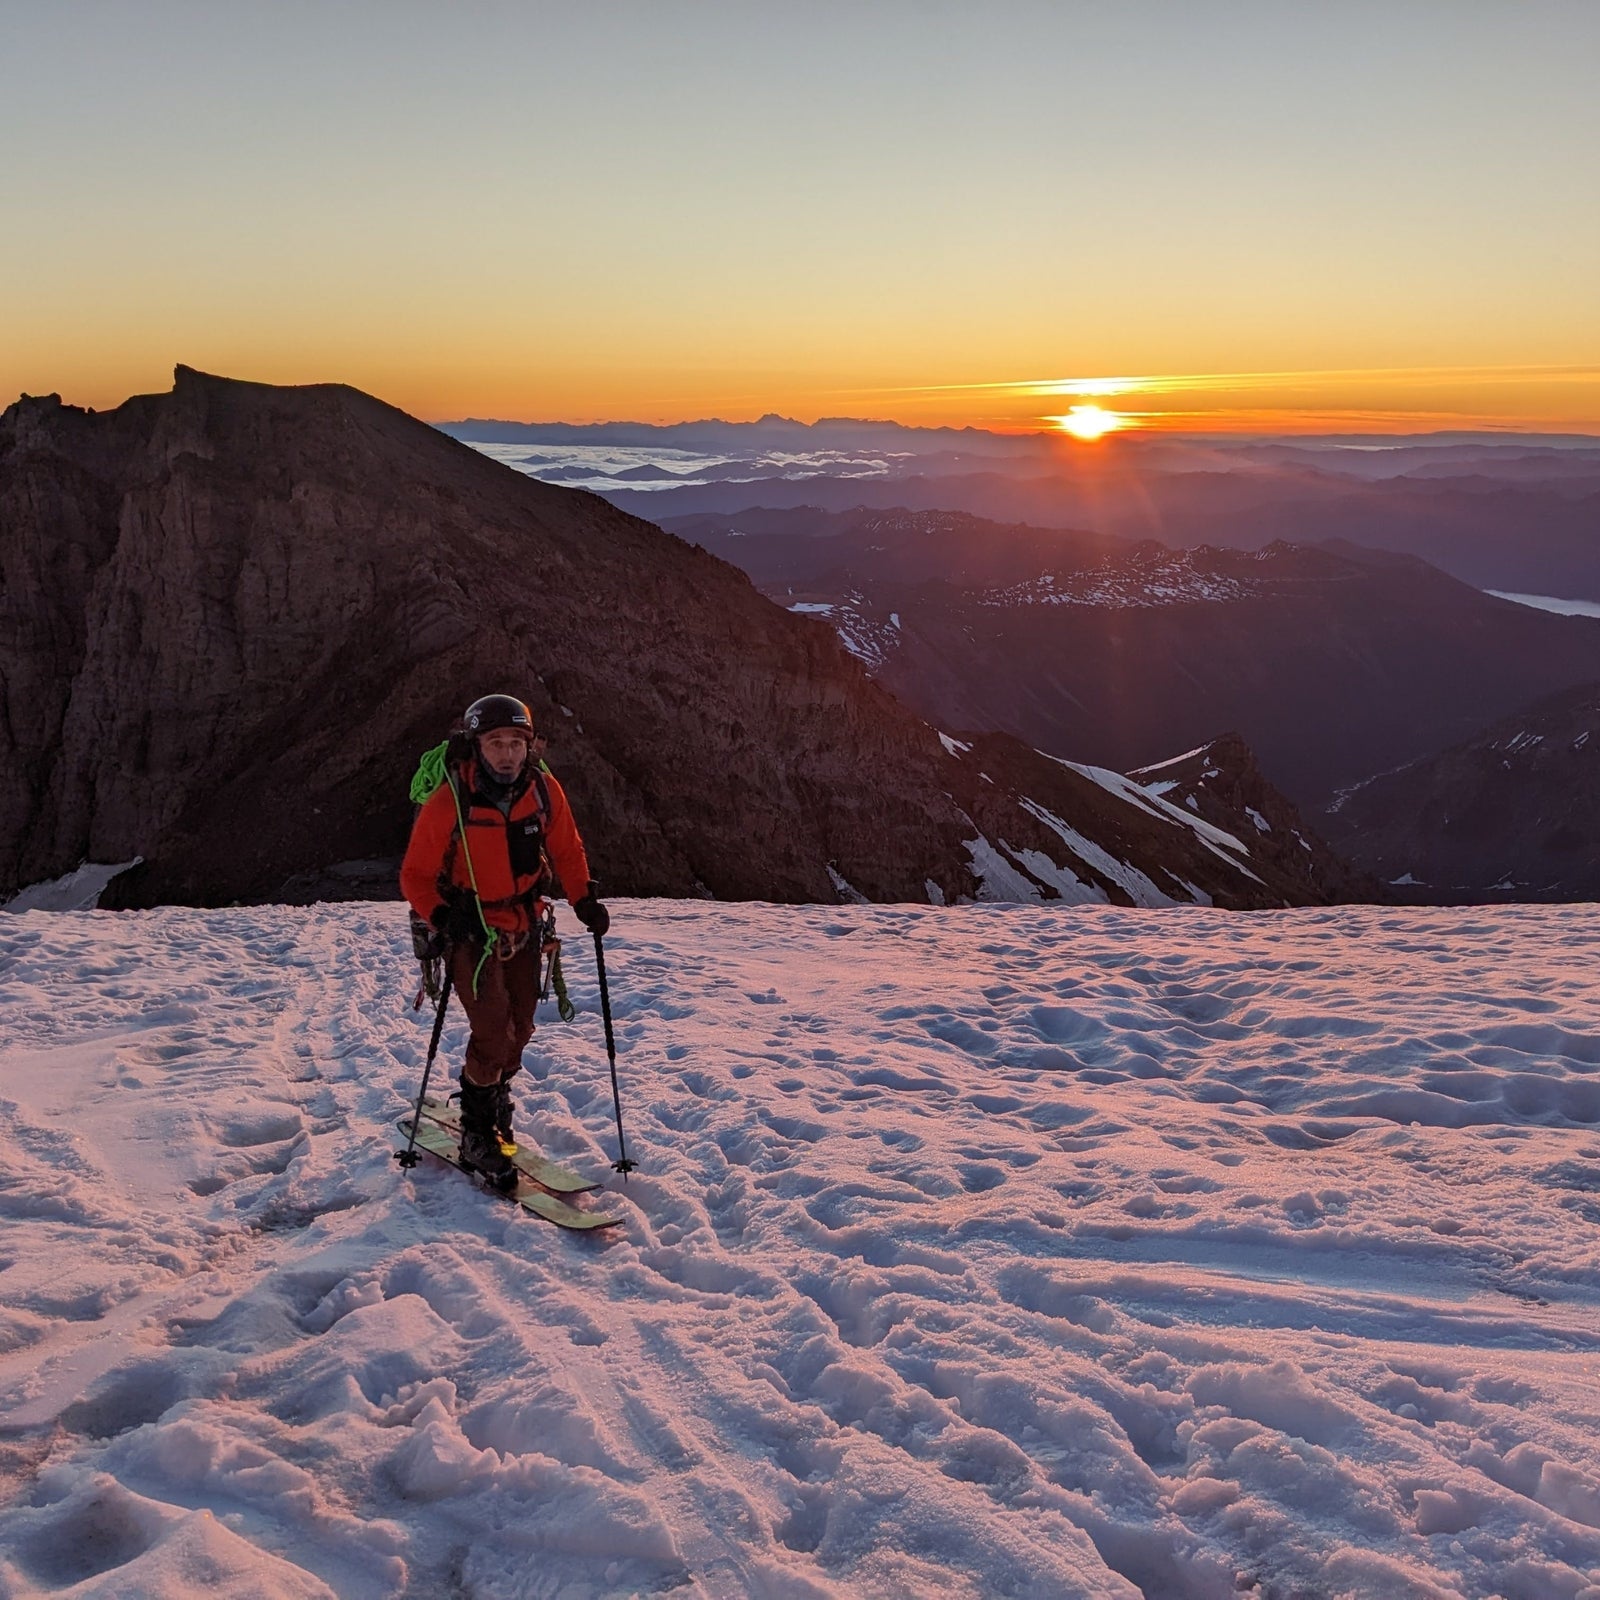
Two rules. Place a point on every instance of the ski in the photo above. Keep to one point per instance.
(547, 1174)
(438, 1141)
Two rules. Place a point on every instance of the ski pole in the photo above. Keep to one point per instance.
(408, 1157)
(622, 1164)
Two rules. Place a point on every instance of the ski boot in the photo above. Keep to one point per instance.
(480, 1141)
(503, 1107)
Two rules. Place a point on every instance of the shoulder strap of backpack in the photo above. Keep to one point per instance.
(544, 795)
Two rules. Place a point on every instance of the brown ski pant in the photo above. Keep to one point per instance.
(501, 1012)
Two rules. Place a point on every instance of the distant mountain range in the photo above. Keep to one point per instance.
(1512, 512)
(742, 438)
(1333, 662)
(233, 615)
(1526, 538)
(1512, 813)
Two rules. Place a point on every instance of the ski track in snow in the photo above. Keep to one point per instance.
(974, 1251)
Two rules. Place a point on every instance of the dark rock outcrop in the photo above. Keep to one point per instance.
(1511, 814)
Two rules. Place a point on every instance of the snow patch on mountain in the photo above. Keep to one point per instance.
(1071, 889)
(1217, 840)
(861, 633)
(999, 881)
(846, 890)
(1139, 887)
(1174, 761)
(1546, 602)
(79, 890)
(1141, 580)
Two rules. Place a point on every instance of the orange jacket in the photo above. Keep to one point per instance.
(498, 852)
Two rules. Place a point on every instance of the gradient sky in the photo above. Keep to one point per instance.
(1324, 215)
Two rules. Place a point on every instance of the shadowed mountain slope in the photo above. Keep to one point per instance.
(1510, 814)
(1333, 662)
(808, 549)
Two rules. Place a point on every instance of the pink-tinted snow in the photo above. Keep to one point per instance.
(974, 1251)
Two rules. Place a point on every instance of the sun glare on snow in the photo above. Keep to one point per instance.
(1089, 422)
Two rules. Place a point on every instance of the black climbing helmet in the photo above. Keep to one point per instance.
(497, 711)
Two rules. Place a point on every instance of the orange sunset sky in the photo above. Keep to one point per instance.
(1217, 215)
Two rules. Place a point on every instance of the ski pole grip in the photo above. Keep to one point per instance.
(605, 999)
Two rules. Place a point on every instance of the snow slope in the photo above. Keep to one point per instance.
(1545, 602)
(79, 890)
(979, 1251)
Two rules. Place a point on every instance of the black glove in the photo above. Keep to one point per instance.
(457, 919)
(592, 914)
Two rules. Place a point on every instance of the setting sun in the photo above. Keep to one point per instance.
(1089, 422)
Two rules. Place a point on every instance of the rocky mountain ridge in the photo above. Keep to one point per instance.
(231, 616)
(1221, 783)
(1204, 828)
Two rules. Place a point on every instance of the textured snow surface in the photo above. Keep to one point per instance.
(973, 1251)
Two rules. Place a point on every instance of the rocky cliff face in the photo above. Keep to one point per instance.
(231, 616)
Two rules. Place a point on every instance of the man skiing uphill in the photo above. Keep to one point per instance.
(477, 868)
